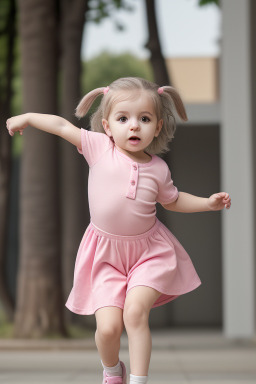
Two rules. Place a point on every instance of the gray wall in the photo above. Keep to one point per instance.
(195, 164)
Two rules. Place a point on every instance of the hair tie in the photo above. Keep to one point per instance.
(106, 89)
(160, 90)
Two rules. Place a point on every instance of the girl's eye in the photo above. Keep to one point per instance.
(123, 119)
(145, 119)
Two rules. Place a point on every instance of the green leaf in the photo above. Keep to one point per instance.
(206, 2)
(98, 10)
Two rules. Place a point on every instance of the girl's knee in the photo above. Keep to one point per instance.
(109, 323)
(109, 331)
(135, 315)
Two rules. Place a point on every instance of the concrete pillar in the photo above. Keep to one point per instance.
(238, 169)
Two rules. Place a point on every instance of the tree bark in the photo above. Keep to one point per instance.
(5, 159)
(157, 60)
(39, 309)
(74, 171)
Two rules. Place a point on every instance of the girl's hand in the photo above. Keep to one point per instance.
(219, 201)
(17, 124)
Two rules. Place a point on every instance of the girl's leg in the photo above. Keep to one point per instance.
(109, 329)
(138, 303)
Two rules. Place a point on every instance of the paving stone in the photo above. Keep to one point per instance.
(177, 358)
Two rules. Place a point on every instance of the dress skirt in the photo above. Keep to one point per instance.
(108, 266)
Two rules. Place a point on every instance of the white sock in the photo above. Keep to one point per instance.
(113, 371)
(138, 379)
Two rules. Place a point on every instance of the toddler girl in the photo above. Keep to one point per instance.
(128, 261)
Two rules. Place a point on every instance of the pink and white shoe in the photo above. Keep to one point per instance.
(115, 379)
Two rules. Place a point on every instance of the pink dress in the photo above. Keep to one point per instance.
(125, 245)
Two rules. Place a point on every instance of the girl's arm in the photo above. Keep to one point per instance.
(189, 203)
(48, 123)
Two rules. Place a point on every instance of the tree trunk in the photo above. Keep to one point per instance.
(75, 213)
(5, 156)
(39, 296)
(157, 60)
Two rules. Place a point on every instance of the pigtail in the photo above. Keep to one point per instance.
(168, 102)
(87, 101)
(176, 100)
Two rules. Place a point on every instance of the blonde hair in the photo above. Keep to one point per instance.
(166, 100)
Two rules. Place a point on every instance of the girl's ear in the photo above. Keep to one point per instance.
(105, 125)
(159, 127)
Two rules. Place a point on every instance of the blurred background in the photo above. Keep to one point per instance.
(51, 53)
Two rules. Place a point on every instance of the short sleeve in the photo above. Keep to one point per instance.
(94, 145)
(167, 192)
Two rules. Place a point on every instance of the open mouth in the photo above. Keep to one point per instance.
(134, 138)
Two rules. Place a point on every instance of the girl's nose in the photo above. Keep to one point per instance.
(134, 124)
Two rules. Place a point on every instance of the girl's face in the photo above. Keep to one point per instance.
(132, 122)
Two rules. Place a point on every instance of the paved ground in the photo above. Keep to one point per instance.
(177, 358)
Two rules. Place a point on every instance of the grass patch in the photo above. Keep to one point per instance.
(77, 332)
(74, 331)
(6, 328)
